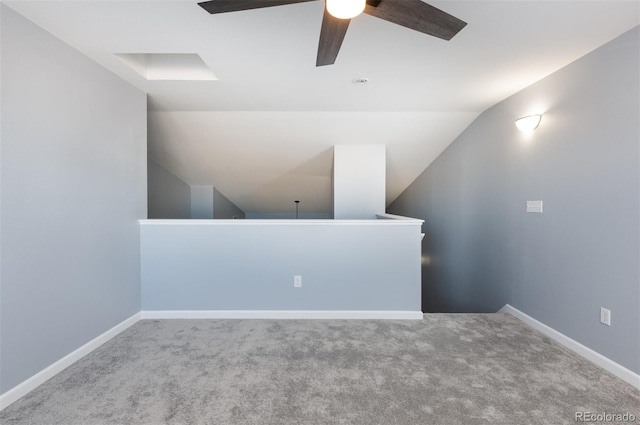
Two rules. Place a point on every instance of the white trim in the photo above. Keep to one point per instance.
(586, 352)
(257, 222)
(281, 314)
(386, 216)
(50, 371)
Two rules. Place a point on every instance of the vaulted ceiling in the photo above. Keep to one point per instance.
(262, 132)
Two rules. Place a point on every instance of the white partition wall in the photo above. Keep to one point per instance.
(359, 181)
(250, 265)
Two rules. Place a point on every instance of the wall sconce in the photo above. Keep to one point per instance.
(345, 9)
(528, 123)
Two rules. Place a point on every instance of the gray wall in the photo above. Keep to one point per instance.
(290, 215)
(73, 176)
(202, 202)
(482, 250)
(245, 265)
(168, 196)
(224, 208)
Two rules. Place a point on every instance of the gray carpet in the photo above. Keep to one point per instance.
(445, 369)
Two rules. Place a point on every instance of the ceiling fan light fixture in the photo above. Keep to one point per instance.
(345, 9)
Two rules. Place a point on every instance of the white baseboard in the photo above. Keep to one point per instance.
(281, 314)
(49, 372)
(586, 352)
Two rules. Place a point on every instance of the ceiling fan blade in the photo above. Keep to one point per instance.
(221, 6)
(418, 16)
(331, 36)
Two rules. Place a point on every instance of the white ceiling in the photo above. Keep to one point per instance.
(262, 132)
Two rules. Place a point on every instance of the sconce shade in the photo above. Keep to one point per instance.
(528, 123)
(345, 9)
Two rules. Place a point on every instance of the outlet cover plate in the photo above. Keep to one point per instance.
(605, 316)
(534, 206)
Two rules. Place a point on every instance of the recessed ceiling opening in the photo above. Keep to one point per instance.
(168, 66)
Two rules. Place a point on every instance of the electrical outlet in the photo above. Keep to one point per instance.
(605, 316)
(297, 281)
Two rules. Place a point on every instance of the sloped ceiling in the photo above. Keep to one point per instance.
(262, 133)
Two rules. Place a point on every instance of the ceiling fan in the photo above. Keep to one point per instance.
(413, 14)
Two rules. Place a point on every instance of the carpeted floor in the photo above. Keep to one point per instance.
(446, 369)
